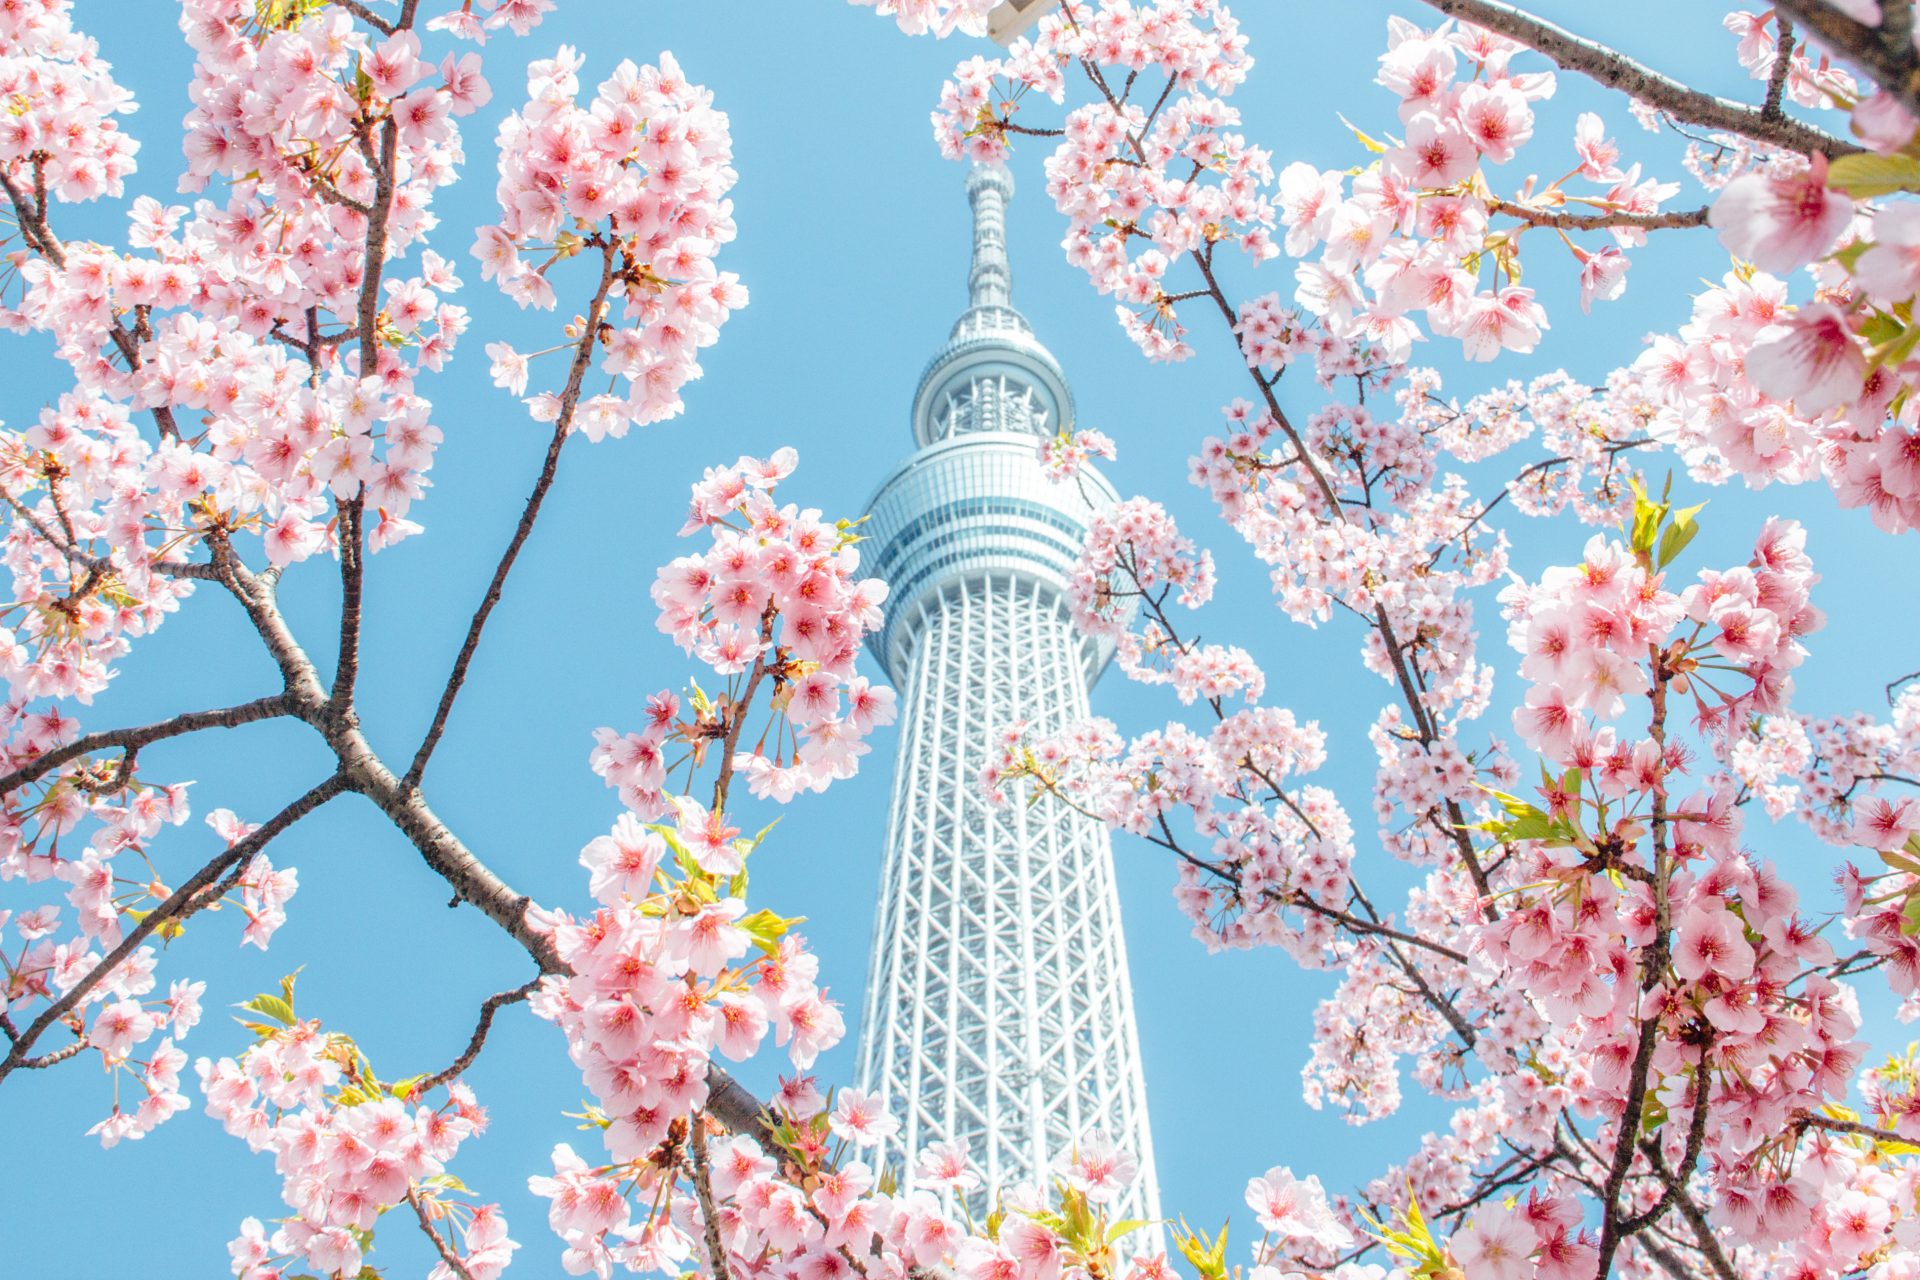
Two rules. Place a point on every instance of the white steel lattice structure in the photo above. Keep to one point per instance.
(999, 1011)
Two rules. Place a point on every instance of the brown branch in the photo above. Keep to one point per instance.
(181, 902)
(58, 1056)
(1849, 1126)
(1782, 62)
(353, 560)
(1617, 71)
(703, 1188)
(562, 428)
(492, 1005)
(375, 257)
(1534, 216)
(1884, 52)
(471, 880)
(1706, 1242)
(366, 15)
(134, 738)
(446, 1251)
(1696, 1139)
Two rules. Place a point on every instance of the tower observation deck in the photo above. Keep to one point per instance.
(999, 1011)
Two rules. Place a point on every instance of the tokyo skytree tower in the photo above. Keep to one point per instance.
(999, 1011)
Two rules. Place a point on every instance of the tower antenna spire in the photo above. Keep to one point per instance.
(990, 279)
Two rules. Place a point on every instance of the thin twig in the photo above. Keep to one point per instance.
(366, 15)
(492, 1005)
(1884, 50)
(562, 429)
(446, 1251)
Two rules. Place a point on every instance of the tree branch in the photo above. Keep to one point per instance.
(703, 1188)
(177, 904)
(134, 738)
(366, 15)
(353, 555)
(562, 428)
(1782, 63)
(1849, 1126)
(1884, 52)
(1617, 71)
(446, 1251)
(1707, 1242)
(492, 1005)
(102, 564)
(1538, 217)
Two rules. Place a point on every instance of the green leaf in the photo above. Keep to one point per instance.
(1647, 515)
(1880, 328)
(748, 846)
(1895, 349)
(1126, 1226)
(767, 929)
(1910, 917)
(1679, 533)
(1866, 175)
(1850, 255)
(270, 1006)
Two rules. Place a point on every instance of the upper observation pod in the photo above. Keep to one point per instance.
(992, 374)
(973, 501)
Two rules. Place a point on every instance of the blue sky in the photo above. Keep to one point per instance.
(853, 239)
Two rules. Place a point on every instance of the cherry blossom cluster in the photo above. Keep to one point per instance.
(939, 17)
(776, 598)
(1275, 845)
(1586, 630)
(349, 1148)
(62, 106)
(802, 1198)
(1063, 455)
(109, 881)
(520, 16)
(1852, 780)
(663, 977)
(231, 325)
(641, 174)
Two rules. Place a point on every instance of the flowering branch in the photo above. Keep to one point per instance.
(179, 904)
(1618, 71)
(440, 1246)
(133, 739)
(1534, 216)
